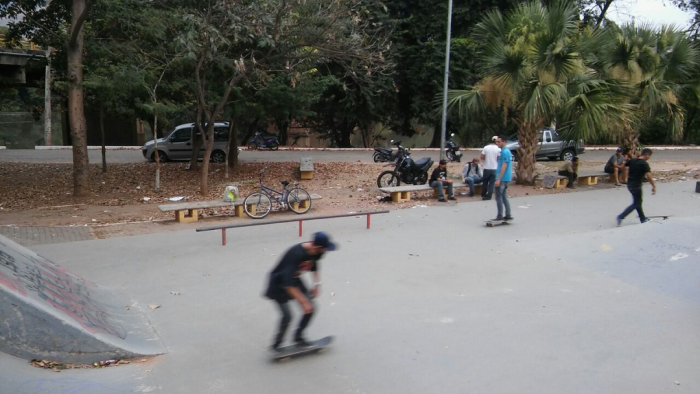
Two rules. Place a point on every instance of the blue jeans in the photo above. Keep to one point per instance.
(489, 181)
(636, 203)
(471, 181)
(502, 199)
(439, 185)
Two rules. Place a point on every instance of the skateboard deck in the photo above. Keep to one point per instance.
(494, 223)
(294, 350)
(664, 217)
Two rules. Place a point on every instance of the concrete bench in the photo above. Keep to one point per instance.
(187, 212)
(306, 168)
(590, 179)
(403, 193)
(555, 181)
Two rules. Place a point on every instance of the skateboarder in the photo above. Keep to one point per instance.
(503, 178)
(638, 170)
(285, 285)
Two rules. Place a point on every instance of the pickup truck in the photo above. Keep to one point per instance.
(550, 146)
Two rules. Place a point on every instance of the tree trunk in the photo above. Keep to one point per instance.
(155, 150)
(232, 154)
(283, 127)
(102, 135)
(435, 142)
(78, 124)
(208, 148)
(630, 139)
(527, 139)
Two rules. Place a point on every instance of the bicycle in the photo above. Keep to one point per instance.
(259, 204)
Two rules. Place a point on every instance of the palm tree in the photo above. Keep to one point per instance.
(658, 65)
(535, 65)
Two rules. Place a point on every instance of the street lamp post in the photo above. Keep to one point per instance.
(447, 78)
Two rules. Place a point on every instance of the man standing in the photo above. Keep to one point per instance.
(616, 167)
(638, 169)
(489, 155)
(284, 284)
(503, 177)
(570, 170)
(472, 174)
(438, 180)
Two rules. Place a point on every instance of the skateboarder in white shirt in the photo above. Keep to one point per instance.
(489, 155)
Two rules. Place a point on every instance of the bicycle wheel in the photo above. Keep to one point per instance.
(257, 205)
(299, 200)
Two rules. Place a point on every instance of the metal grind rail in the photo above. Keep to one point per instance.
(342, 215)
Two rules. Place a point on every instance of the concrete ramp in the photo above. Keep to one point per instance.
(49, 313)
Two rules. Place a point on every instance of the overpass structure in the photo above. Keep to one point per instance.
(14, 62)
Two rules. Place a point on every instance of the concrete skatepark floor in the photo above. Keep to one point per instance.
(429, 300)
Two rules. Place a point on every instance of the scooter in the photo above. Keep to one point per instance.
(452, 150)
(260, 142)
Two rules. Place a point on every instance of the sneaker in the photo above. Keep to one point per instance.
(276, 347)
(301, 342)
(471, 194)
(618, 184)
(497, 219)
(619, 221)
(451, 198)
(645, 220)
(441, 200)
(507, 218)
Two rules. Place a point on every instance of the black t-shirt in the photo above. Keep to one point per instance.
(438, 174)
(638, 169)
(285, 274)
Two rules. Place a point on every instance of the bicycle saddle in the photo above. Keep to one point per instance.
(284, 183)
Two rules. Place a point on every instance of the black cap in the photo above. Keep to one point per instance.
(619, 149)
(323, 240)
(443, 162)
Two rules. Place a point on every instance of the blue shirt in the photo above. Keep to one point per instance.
(505, 158)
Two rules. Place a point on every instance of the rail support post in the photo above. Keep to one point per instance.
(368, 215)
(300, 228)
(223, 237)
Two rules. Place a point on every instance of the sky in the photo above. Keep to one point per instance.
(657, 12)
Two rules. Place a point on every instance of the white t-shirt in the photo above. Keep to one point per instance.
(491, 152)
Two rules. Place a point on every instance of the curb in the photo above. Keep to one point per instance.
(284, 148)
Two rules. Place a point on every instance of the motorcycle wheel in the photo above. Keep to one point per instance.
(422, 179)
(388, 179)
(274, 145)
(450, 155)
(252, 146)
(377, 157)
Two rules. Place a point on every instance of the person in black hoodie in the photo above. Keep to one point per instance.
(285, 285)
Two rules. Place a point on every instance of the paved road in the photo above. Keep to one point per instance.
(134, 156)
(428, 300)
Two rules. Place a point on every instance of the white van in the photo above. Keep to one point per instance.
(178, 144)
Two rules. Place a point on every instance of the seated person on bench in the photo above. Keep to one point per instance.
(570, 170)
(472, 174)
(439, 179)
(616, 167)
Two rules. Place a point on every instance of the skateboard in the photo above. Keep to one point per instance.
(494, 222)
(294, 350)
(664, 217)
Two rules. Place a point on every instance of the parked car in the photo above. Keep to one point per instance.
(178, 144)
(551, 146)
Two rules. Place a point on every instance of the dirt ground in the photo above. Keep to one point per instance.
(124, 202)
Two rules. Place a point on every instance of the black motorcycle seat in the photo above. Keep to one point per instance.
(284, 183)
(421, 162)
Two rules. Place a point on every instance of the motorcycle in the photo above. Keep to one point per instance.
(260, 142)
(452, 150)
(382, 155)
(406, 170)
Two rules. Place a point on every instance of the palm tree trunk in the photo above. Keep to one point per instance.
(630, 139)
(527, 138)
